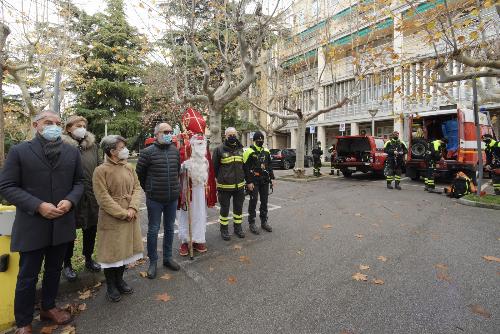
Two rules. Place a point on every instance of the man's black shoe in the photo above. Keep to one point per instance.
(171, 264)
(254, 229)
(69, 274)
(238, 230)
(92, 266)
(224, 232)
(152, 270)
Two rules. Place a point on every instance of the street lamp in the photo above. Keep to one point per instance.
(372, 113)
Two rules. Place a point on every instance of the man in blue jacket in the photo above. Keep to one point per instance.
(158, 171)
(43, 179)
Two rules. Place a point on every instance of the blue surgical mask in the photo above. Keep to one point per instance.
(51, 132)
(167, 139)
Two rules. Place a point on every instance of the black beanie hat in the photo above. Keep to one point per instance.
(258, 135)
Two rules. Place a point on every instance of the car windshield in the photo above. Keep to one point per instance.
(274, 151)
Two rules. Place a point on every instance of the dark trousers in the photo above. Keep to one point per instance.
(317, 167)
(30, 264)
(495, 178)
(429, 180)
(88, 245)
(225, 201)
(394, 171)
(262, 189)
(155, 211)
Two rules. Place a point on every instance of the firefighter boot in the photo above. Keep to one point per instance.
(238, 230)
(389, 185)
(224, 233)
(253, 227)
(398, 187)
(265, 225)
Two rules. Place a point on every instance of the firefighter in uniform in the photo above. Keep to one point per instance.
(396, 150)
(259, 175)
(230, 175)
(436, 152)
(493, 160)
(317, 152)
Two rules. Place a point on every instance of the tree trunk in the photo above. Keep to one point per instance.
(299, 170)
(270, 140)
(215, 125)
(2, 117)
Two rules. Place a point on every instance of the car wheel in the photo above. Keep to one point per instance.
(347, 173)
(286, 164)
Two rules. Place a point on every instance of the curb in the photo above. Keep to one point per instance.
(478, 204)
(85, 280)
(306, 179)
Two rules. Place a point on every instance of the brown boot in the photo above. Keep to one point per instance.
(24, 330)
(56, 315)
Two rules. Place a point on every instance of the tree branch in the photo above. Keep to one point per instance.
(339, 104)
(275, 114)
(444, 77)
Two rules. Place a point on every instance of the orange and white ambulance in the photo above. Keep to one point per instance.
(458, 126)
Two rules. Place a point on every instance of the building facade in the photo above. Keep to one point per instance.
(399, 82)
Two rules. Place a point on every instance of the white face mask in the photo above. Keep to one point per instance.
(123, 154)
(79, 133)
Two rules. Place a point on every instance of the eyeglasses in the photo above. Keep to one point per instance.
(166, 132)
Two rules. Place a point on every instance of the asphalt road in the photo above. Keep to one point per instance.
(298, 279)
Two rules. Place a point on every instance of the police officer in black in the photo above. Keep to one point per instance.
(259, 175)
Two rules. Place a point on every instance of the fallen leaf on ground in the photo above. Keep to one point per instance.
(97, 285)
(378, 281)
(363, 267)
(443, 276)
(317, 237)
(85, 295)
(359, 236)
(360, 277)
(478, 309)
(68, 330)
(166, 277)
(300, 251)
(211, 269)
(136, 263)
(164, 297)
(491, 258)
(327, 226)
(441, 266)
(48, 329)
(244, 259)
(358, 215)
(232, 280)
(143, 274)
(82, 307)
(237, 247)
(382, 258)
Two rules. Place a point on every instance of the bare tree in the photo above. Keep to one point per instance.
(4, 33)
(227, 70)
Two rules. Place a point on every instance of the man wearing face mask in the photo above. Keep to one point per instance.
(77, 135)
(259, 174)
(43, 179)
(493, 160)
(230, 175)
(158, 170)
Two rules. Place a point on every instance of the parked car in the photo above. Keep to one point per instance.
(285, 158)
(458, 126)
(360, 154)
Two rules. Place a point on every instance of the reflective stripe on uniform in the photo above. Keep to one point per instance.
(231, 186)
(223, 220)
(397, 177)
(237, 218)
(390, 178)
(234, 158)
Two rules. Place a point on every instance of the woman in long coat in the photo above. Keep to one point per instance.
(119, 239)
(77, 135)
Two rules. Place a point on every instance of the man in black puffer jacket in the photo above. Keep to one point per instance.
(158, 171)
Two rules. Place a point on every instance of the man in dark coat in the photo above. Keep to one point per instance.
(158, 170)
(43, 179)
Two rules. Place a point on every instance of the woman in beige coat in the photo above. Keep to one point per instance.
(119, 239)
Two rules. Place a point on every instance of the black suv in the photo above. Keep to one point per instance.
(285, 158)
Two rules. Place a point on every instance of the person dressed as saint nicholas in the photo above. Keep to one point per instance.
(196, 160)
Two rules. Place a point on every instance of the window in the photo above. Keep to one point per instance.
(315, 8)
